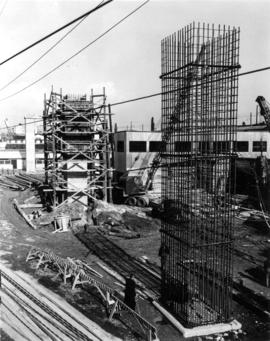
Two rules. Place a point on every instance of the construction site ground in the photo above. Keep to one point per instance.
(122, 254)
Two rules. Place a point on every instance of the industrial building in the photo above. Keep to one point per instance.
(131, 145)
(19, 147)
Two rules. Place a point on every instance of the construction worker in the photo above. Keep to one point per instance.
(91, 215)
(130, 292)
(163, 253)
(267, 271)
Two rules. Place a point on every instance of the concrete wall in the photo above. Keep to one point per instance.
(128, 160)
(30, 145)
(18, 156)
(120, 157)
(251, 136)
(14, 156)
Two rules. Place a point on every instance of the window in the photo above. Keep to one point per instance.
(156, 146)
(39, 161)
(204, 147)
(15, 146)
(137, 146)
(259, 146)
(240, 146)
(120, 146)
(39, 146)
(184, 146)
(221, 146)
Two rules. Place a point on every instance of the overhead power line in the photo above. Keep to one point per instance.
(183, 88)
(3, 7)
(56, 31)
(45, 53)
(21, 124)
(77, 53)
(153, 95)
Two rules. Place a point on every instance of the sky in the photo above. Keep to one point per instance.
(127, 60)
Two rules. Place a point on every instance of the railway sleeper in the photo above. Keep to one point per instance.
(68, 269)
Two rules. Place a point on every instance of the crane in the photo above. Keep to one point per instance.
(261, 168)
(265, 110)
(141, 182)
(191, 77)
(10, 131)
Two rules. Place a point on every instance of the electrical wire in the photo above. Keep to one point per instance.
(155, 94)
(20, 124)
(45, 53)
(3, 7)
(77, 53)
(56, 31)
(188, 87)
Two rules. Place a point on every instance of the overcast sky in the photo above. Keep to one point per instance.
(127, 60)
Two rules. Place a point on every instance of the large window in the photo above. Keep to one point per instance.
(259, 146)
(15, 146)
(39, 146)
(240, 146)
(156, 146)
(137, 146)
(221, 146)
(120, 146)
(184, 146)
(204, 147)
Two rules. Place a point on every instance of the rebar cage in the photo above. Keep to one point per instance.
(77, 147)
(200, 67)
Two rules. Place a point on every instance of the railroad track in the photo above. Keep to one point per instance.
(149, 274)
(119, 260)
(251, 250)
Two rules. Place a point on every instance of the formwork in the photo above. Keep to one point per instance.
(77, 148)
(200, 66)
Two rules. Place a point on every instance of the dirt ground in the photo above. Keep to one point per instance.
(17, 238)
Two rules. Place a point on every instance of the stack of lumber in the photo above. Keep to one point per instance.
(31, 312)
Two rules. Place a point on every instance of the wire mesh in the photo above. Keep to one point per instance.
(200, 66)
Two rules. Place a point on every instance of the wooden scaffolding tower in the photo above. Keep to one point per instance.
(77, 148)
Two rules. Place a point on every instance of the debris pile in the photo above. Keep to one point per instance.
(123, 221)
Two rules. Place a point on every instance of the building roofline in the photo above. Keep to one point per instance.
(137, 131)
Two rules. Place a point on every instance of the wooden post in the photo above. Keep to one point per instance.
(110, 160)
(0, 285)
(39, 261)
(113, 310)
(150, 334)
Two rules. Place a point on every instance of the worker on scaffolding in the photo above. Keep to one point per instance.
(91, 215)
(130, 292)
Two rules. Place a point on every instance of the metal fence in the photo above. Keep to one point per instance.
(200, 65)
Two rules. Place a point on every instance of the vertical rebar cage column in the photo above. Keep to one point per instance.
(200, 66)
(77, 149)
